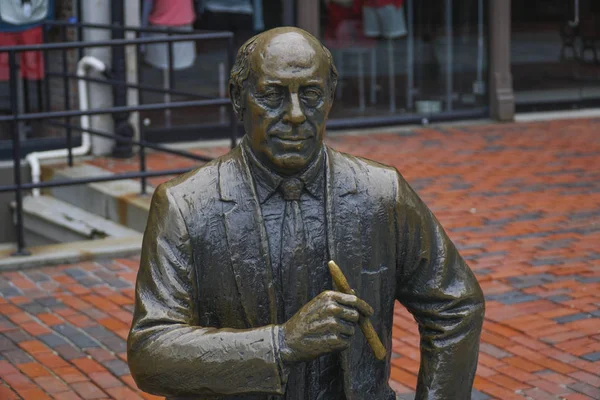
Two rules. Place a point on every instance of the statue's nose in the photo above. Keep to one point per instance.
(294, 113)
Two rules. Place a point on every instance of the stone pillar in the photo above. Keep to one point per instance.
(308, 17)
(502, 98)
(100, 95)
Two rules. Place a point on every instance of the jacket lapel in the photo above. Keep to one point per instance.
(247, 241)
(343, 219)
(345, 248)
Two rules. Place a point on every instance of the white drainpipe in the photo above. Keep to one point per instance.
(33, 159)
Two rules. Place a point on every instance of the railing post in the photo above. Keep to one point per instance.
(12, 66)
(47, 70)
(67, 98)
(121, 149)
(169, 83)
(232, 116)
(142, 138)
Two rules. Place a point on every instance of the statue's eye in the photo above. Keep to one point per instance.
(272, 96)
(312, 95)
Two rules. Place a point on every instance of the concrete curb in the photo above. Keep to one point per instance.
(72, 252)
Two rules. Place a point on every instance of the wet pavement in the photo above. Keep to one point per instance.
(521, 201)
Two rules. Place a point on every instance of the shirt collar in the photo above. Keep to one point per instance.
(268, 181)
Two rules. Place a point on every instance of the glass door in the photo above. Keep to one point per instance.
(555, 54)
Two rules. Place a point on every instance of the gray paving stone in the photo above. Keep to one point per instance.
(33, 308)
(97, 331)
(117, 283)
(52, 340)
(593, 357)
(79, 338)
(513, 297)
(559, 298)
(589, 279)
(10, 291)
(493, 351)
(543, 262)
(6, 344)
(17, 356)
(75, 272)
(37, 276)
(477, 395)
(115, 344)
(18, 336)
(117, 367)
(586, 389)
(90, 281)
(572, 317)
(49, 302)
(68, 352)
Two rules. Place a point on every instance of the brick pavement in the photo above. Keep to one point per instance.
(521, 201)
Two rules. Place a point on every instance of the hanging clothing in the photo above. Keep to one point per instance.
(249, 7)
(8, 27)
(177, 15)
(157, 54)
(20, 12)
(172, 12)
(339, 11)
(31, 62)
(384, 18)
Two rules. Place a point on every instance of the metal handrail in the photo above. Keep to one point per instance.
(17, 118)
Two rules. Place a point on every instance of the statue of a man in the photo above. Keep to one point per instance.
(234, 298)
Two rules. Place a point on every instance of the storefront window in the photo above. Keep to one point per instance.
(407, 57)
(555, 54)
(396, 58)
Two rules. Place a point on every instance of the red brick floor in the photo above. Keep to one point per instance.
(521, 201)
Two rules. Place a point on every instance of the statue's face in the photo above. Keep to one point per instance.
(286, 102)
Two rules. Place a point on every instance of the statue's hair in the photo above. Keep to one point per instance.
(240, 72)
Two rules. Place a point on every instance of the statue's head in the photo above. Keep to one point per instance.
(282, 87)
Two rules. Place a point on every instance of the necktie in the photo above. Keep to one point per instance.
(293, 260)
(293, 271)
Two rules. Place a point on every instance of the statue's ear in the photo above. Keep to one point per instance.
(235, 94)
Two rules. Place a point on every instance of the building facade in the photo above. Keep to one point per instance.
(399, 61)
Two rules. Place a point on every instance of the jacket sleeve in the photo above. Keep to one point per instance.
(168, 353)
(438, 288)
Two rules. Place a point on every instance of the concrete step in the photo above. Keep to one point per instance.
(49, 220)
(118, 201)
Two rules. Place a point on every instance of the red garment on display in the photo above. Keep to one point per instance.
(32, 62)
(345, 27)
(172, 12)
(336, 14)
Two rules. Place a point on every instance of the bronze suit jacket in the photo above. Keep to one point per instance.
(203, 324)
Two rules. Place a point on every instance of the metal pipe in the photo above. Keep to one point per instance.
(222, 35)
(449, 60)
(410, 57)
(132, 86)
(83, 181)
(67, 99)
(141, 143)
(122, 126)
(168, 83)
(141, 127)
(12, 62)
(120, 42)
(232, 117)
(47, 69)
(34, 158)
(372, 122)
(110, 110)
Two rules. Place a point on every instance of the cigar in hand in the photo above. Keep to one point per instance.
(341, 283)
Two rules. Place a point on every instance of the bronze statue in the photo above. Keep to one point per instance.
(234, 296)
